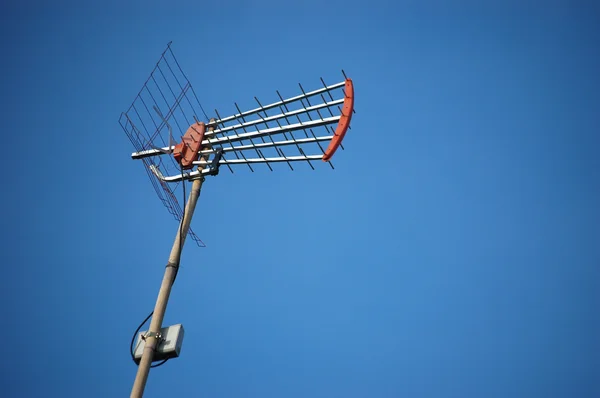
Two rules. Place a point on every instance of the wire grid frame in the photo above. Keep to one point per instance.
(166, 104)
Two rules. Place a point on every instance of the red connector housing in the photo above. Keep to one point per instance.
(186, 152)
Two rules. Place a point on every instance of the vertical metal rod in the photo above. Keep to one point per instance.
(165, 289)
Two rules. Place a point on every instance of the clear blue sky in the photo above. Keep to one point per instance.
(454, 251)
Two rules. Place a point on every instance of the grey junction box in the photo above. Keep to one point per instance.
(169, 345)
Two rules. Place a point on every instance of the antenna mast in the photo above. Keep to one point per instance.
(306, 128)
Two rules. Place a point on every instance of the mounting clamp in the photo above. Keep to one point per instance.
(214, 165)
(158, 335)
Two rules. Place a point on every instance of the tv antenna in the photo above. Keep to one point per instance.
(176, 147)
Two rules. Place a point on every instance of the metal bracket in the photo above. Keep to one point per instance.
(214, 165)
(158, 335)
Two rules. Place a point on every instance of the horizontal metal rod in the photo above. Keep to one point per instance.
(261, 145)
(152, 152)
(263, 160)
(277, 104)
(275, 117)
(272, 131)
(245, 136)
(178, 177)
(199, 173)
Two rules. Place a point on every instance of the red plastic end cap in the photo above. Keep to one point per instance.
(344, 122)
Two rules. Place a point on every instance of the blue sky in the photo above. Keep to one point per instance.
(453, 252)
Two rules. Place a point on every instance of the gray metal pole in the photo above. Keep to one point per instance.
(165, 290)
